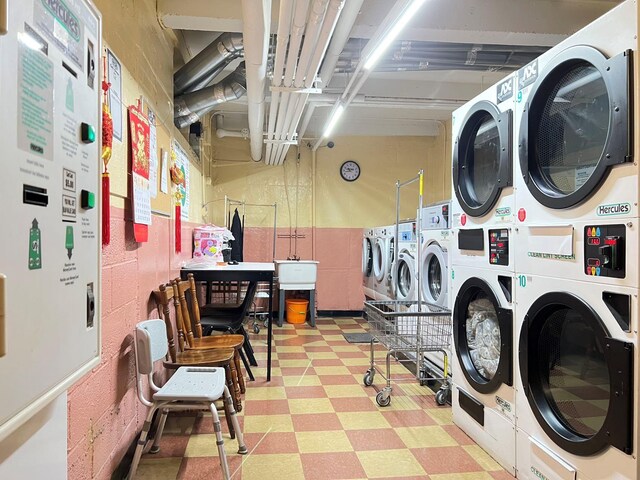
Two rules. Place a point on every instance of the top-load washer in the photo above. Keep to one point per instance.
(368, 240)
(404, 282)
(483, 203)
(383, 256)
(576, 174)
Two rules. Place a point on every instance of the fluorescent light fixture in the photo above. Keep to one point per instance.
(337, 113)
(392, 33)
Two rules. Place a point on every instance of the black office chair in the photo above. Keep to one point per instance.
(231, 320)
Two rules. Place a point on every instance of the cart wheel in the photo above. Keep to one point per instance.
(368, 378)
(256, 328)
(383, 399)
(441, 397)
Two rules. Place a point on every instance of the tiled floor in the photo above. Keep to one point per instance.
(315, 420)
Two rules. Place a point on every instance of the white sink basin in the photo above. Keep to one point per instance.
(297, 274)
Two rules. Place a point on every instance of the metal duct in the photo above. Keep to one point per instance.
(190, 107)
(222, 50)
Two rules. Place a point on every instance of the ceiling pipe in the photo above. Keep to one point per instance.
(255, 30)
(284, 24)
(333, 12)
(191, 106)
(201, 67)
(221, 132)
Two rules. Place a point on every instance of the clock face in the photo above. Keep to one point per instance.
(350, 171)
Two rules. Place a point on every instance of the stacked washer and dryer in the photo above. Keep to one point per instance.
(482, 272)
(383, 257)
(576, 246)
(545, 326)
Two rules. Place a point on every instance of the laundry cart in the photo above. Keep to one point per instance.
(408, 330)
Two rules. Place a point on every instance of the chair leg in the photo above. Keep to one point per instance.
(236, 385)
(229, 376)
(227, 417)
(236, 360)
(141, 441)
(220, 442)
(155, 448)
(248, 348)
(247, 367)
(242, 448)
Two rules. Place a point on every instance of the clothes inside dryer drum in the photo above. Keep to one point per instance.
(485, 162)
(483, 337)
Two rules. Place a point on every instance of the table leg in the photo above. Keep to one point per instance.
(281, 308)
(270, 329)
(312, 307)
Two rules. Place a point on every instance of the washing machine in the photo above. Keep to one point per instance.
(383, 257)
(368, 240)
(576, 380)
(482, 168)
(404, 281)
(483, 395)
(577, 155)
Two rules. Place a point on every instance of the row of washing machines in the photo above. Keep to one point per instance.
(544, 260)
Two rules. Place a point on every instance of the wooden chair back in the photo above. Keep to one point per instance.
(187, 308)
(164, 297)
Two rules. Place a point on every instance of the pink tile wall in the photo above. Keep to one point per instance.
(339, 251)
(104, 412)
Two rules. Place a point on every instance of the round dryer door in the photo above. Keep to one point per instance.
(367, 257)
(404, 281)
(435, 274)
(379, 259)
(482, 333)
(482, 158)
(575, 126)
(576, 377)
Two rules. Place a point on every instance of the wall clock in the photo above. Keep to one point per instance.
(350, 171)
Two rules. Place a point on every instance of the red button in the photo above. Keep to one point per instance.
(522, 214)
(463, 219)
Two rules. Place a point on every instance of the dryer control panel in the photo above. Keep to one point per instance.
(604, 251)
(499, 246)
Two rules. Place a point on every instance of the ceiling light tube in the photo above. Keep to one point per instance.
(337, 113)
(392, 33)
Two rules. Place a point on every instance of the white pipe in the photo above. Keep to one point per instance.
(256, 30)
(328, 28)
(339, 40)
(311, 39)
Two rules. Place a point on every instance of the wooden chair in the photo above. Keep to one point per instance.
(188, 388)
(185, 292)
(180, 356)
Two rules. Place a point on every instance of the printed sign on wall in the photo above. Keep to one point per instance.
(139, 136)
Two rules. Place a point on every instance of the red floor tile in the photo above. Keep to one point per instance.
(206, 468)
(172, 446)
(316, 422)
(327, 362)
(408, 418)
(458, 435)
(379, 439)
(293, 356)
(337, 379)
(331, 466)
(501, 475)
(297, 371)
(318, 349)
(305, 392)
(440, 460)
(266, 407)
(271, 443)
(358, 404)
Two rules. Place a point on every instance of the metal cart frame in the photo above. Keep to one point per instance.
(402, 329)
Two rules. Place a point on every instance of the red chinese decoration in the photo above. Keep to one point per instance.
(139, 132)
(107, 145)
(178, 179)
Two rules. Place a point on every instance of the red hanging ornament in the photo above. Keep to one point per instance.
(178, 227)
(178, 179)
(107, 144)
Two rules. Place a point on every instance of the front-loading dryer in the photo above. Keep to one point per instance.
(368, 240)
(404, 282)
(383, 257)
(576, 380)
(577, 146)
(482, 169)
(483, 397)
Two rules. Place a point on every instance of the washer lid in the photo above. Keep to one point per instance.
(576, 126)
(577, 379)
(482, 158)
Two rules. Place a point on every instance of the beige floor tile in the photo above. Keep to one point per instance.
(301, 381)
(442, 416)
(291, 349)
(345, 321)
(265, 393)
(346, 348)
(390, 463)
(332, 370)
(204, 445)
(333, 338)
(294, 363)
(310, 405)
(483, 458)
(308, 332)
(362, 420)
(355, 362)
(328, 327)
(323, 442)
(344, 391)
(322, 355)
(424, 437)
(158, 468)
(268, 423)
(401, 403)
(283, 466)
(318, 343)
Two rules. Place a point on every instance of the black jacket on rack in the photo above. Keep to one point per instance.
(237, 232)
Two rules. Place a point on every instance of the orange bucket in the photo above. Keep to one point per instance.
(297, 310)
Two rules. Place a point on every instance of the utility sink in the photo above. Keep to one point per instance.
(297, 274)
